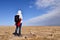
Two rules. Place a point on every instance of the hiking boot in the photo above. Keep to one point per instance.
(15, 34)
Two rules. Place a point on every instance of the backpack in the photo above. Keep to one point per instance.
(16, 18)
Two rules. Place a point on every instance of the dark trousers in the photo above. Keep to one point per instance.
(19, 31)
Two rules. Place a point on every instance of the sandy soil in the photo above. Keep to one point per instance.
(31, 33)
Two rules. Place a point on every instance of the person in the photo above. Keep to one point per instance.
(18, 23)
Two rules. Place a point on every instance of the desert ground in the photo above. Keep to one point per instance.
(31, 33)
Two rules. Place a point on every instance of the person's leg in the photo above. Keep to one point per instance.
(15, 33)
(20, 29)
(16, 29)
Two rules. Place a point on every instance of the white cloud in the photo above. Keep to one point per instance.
(46, 3)
(52, 17)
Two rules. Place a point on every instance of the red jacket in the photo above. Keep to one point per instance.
(18, 23)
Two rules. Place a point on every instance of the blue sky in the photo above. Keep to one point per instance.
(35, 12)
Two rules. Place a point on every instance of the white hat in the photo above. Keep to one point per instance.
(19, 13)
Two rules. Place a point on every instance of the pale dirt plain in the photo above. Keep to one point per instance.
(31, 33)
